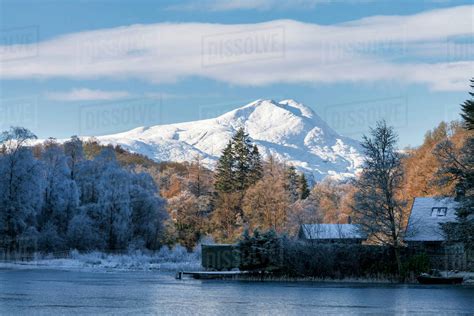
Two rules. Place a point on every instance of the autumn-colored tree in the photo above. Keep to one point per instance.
(200, 178)
(190, 215)
(226, 220)
(266, 204)
(333, 199)
(421, 164)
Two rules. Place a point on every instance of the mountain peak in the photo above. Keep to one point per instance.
(288, 130)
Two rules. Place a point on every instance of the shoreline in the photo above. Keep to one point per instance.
(165, 268)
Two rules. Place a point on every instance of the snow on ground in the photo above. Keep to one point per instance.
(289, 131)
(176, 259)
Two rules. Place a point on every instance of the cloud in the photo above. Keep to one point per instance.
(231, 5)
(85, 94)
(422, 49)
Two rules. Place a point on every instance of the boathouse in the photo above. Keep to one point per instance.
(332, 233)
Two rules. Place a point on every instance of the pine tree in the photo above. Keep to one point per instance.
(224, 181)
(241, 149)
(468, 110)
(292, 183)
(303, 187)
(457, 166)
(256, 168)
(239, 166)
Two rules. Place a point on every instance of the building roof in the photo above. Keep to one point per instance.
(426, 215)
(332, 231)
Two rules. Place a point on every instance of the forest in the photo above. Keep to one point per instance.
(82, 195)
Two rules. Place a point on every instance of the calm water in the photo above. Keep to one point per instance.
(63, 292)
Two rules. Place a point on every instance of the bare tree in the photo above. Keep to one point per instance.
(377, 208)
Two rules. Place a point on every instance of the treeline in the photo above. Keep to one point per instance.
(88, 196)
(267, 254)
(53, 198)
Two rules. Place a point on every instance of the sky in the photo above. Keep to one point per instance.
(101, 67)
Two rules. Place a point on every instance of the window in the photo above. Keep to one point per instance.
(439, 211)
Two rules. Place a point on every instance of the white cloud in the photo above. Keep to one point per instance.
(263, 5)
(85, 94)
(370, 49)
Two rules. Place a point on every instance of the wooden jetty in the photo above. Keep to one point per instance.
(209, 274)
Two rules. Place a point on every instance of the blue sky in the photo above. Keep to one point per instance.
(99, 67)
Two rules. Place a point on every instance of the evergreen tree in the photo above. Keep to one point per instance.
(303, 187)
(224, 181)
(468, 110)
(239, 166)
(457, 166)
(241, 149)
(292, 184)
(256, 168)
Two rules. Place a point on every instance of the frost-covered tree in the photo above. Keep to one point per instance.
(114, 207)
(61, 197)
(148, 211)
(21, 185)
(83, 234)
(74, 150)
(49, 239)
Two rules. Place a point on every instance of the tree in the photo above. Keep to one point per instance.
(148, 211)
(61, 197)
(292, 183)
(74, 151)
(378, 210)
(225, 171)
(468, 110)
(241, 150)
(239, 166)
(256, 168)
(305, 211)
(260, 252)
(266, 204)
(303, 187)
(457, 166)
(82, 233)
(190, 220)
(199, 181)
(115, 207)
(226, 217)
(21, 185)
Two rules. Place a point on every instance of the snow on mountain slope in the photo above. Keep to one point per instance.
(288, 130)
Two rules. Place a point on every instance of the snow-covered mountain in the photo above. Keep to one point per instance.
(288, 130)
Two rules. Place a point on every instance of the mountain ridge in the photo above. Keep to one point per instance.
(288, 130)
